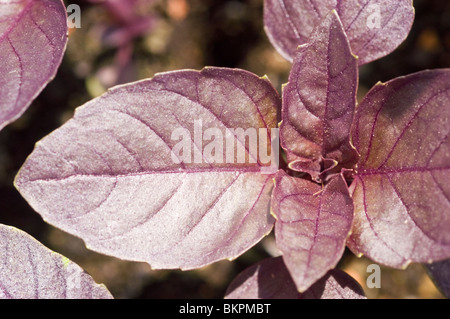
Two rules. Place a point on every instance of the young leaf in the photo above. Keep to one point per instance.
(375, 27)
(29, 270)
(269, 279)
(319, 100)
(312, 226)
(440, 274)
(135, 176)
(401, 190)
(33, 37)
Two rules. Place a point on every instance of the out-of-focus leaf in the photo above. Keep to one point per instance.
(128, 19)
(29, 270)
(270, 279)
(110, 175)
(319, 101)
(401, 190)
(312, 225)
(440, 274)
(33, 37)
(375, 27)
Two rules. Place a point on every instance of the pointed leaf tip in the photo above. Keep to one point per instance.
(439, 272)
(143, 173)
(270, 279)
(375, 28)
(319, 101)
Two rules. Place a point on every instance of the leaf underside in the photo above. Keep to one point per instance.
(111, 177)
(375, 27)
(33, 38)
(401, 190)
(29, 270)
(312, 225)
(319, 101)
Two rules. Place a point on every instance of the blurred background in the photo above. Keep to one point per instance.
(119, 43)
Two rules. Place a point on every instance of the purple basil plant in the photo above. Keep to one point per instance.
(192, 167)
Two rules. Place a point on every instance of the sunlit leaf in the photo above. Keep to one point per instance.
(114, 176)
(401, 190)
(312, 226)
(33, 37)
(29, 270)
(375, 27)
(319, 101)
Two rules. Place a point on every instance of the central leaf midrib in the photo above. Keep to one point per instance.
(386, 171)
(249, 170)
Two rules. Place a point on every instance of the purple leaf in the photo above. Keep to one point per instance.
(440, 274)
(33, 37)
(375, 28)
(29, 270)
(270, 279)
(114, 176)
(312, 225)
(319, 101)
(401, 190)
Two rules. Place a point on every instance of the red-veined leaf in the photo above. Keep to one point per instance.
(111, 175)
(33, 37)
(319, 101)
(401, 190)
(374, 27)
(312, 225)
(29, 270)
